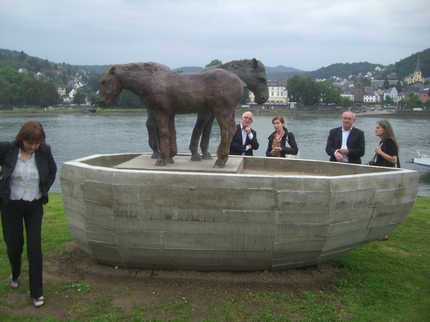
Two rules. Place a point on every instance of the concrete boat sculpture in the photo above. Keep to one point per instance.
(255, 214)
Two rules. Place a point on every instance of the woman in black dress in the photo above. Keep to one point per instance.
(387, 151)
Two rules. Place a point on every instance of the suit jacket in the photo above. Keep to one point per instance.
(236, 146)
(45, 165)
(355, 144)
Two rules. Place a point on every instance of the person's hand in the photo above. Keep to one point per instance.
(378, 149)
(275, 151)
(339, 156)
(343, 151)
(248, 129)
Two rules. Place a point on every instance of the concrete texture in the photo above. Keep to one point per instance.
(256, 213)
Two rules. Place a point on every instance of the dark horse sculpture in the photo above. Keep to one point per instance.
(166, 93)
(252, 72)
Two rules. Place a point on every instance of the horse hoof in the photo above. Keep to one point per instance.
(160, 163)
(196, 157)
(155, 155)
(207, 156)
(170, 161)
(219, 164)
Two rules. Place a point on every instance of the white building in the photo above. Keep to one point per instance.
(392, 93)
(371, 96)
(278, 93)
(348, 94)
(61, 91)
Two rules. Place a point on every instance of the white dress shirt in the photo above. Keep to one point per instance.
(24, 181)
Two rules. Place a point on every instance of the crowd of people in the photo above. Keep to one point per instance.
(28, 171)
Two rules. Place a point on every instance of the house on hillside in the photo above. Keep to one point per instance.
(72, 93)
(377, 83)
(61, 91)
(74, 84)
(348, 94)
(371, 95)
(66, 99)
(392, 93)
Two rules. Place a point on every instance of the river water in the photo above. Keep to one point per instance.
(76, 136)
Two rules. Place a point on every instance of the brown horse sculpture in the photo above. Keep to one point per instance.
(250, 71)
(166, 93)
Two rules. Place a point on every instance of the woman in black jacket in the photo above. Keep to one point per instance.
(28, 171)
(281, 142)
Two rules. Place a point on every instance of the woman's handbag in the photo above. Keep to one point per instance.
(291, 156)
(373, 161)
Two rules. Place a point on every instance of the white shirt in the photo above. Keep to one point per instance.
(345, 135)
(24, 181)
(244, 134)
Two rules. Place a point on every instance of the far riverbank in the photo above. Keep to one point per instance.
(255, 109)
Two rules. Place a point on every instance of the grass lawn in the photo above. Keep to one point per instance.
(382, 281)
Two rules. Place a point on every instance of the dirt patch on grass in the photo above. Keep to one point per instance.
(74, 284)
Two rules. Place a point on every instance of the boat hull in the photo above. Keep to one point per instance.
(422, 161)
(255, 214)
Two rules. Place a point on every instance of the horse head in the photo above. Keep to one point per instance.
(110, 87)
(257, 82)
(253, 73)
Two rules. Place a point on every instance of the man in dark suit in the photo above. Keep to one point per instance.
(346, 143)
(244, 140)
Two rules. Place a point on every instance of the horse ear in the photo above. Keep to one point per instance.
(254, 63)
(112, 70)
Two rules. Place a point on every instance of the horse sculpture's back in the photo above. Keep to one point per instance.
(166, 93)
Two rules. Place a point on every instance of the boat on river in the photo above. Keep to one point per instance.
(256, 213)
(423, 158)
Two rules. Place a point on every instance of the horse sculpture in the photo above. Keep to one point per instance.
(250, 71)
(166, 93)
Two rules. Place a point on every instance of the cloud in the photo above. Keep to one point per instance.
(301, 34)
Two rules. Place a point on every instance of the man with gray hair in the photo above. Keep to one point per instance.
(346, 143)
(244, 140)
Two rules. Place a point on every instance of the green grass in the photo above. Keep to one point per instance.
(382, 281)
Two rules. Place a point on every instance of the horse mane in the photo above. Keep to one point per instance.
(149, 67)
(239, 64)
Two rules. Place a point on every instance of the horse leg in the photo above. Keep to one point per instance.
(226, 129)
(153, 140)
(163, 130)
(202, 118)
(204, 142)
(172, 140)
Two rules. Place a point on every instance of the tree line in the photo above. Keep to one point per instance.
(25, 89)
(307, 91)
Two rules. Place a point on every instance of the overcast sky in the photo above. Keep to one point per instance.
(304, 34)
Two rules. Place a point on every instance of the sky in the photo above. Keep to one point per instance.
(303, 34)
